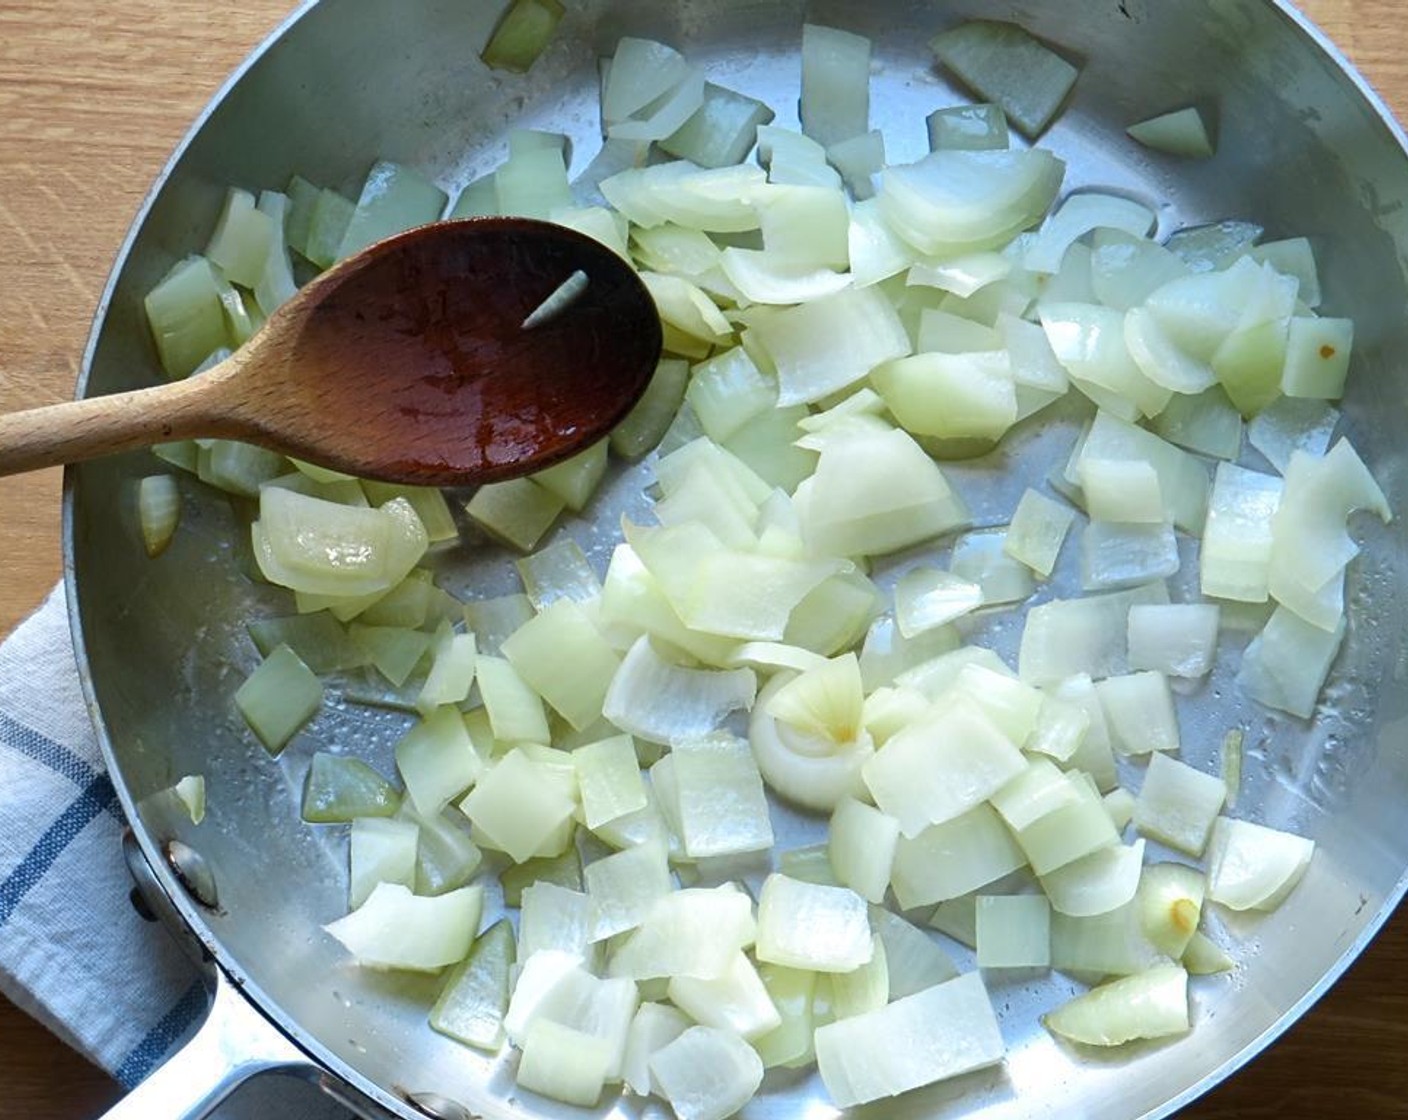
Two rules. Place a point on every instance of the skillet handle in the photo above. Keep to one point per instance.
(234, 1044)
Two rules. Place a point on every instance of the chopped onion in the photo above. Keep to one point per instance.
(278, 698)
(1286, 665)
(1122, 554)
(1179, 640)
(395, 929)
(941, 766)
(1038, 529)
(380, 851)
(926, 598)
(1078, 215)
(522, 34)
(1152, 1004)
(1317, 358)
(1235, 559)
(876, 253)
(563, 1064)
(158, 511)
(623, 887)
(982, 557)
(471, 1006)
(1070, 831)
(1110, 944)
(975, 127)
(1069, 636)
(721, 132)
(1140, 713)
(1089, 340)
(835, 103)
(1095, 884)
(863, 989)
(437, 760)
(555, 918)
(1206, 423)
(861, 847)
(1007, 65)
(1252, 867)
(654, 1026)
(1179, 133)
(1013, 931)
(944, 1031)
(663, 703)
(722, 806)
(950, 396)
(1125, 270)
(515, 807)
(1178, 805)
(1170, 906)
(1292, 257)
(954, 858)
(737, 1001)
(1183, 480)
(706, 1073)
(691, 932)
(1291, 424)
(1203, 957)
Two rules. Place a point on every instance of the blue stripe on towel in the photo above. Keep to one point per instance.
(169, 1030)
(97, 796)
(55, 756)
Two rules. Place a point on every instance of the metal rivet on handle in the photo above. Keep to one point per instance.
(438, 1107)
(194, 873)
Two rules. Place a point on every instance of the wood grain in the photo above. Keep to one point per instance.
(92, 100)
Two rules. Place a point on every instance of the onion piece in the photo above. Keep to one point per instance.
(941, 766)
(963, 276)
(1160, 359)
(663, 703)
(1178, 804)
(622, 888)
(1095, 884)
(1292, 257)
(1235, 559)
(1170, 904)
(806, 925)
(654, 1026)
(935, 1034)
(1292, 424)
(557, 919)
(1139, 712)
(1206, 423)
(1013, 931)
(516, 806)
(1183, 480)
(768, 278)
(913, 960)
(1038, 529)
(952, 859)
(1008, 66)
(792, 991)
(835, 102)
(876, 253)
(1125, 270)
(721, 132)
(955, 201)
(737, 1001)
(982, 557)
(830, 343)
(1110, 944)
(379, 851)
(471, 1006)
(1252, 867)
(563, 1064)
(1069, 636)
(1089, 340)
(1117, 555)
(950, 396)
(974, 127)
(278, 698)
(437, 760)
(926, 598)
(863, 989)
(1181, 132)
(666, 114)
(706, 1073)
(1152, 1004)
(1203, 957)
(522, 34)
(795, 160)
(158, 511)
(395, 929)
(609, 780)
(517, 512)
(645, 425)
(1030, 795)
(722, 807)
(1178, 640)
(691, 932)
(861, 846)
(641, 71)
(1070, 831)
(858, 160)
(1317, 358)
(1060, 730)
(1078, 215)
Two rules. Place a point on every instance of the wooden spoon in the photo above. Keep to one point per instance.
(408, 362)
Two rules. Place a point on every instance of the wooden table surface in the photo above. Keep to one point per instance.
(92, 100)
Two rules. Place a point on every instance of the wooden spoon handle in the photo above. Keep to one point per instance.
(85, 429)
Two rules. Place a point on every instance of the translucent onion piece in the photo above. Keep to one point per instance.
(950, 396)
(1124, 270)
(1038, 529)
(666, 114)
(471, 1006)
(1013, 931)
(1110, 944)
(835, 102)
(861, 846)
(1170, 905)
(1119, 803)
(863, 989)
(955, 201)
(1068, 832)
(722, 807)
(1006, 65)
(876, 253)
(876, 494)
(647, 422)
(936, 676)
(1120, 554)
(975, 127)
(1203, 957)
(641, 72)
(1061, 729)
(1291, 424)
(608, 779)
(1078, 215)
(1206, 423)
(913, 960)
(1095, 884)
(1293, 257)
(917, 1040)
(1038, 790)
(665, 703)
(1179, 133)
(1178, 805)
(887, 652)
(806, 226)
(792, 991)
(721, 132)
(623, 887)
(962, 275)
(1152, 1004)
(1160, 359)
(768, 278)
(1070, 636)
(563, 1064)
(1089, 340)
(1183, 480)
(706, 1073)
(379, 851)
(1252, 867)
(522, 34)
(1235, 559)
(1317, 358)
(556, 919)
(437, 760)
(562, 656)
(516, 807)
(158, 511)
(824, 701)
(691, 932)
(829, 343)
(737, 1001)
(954, 858)
(517, 512)
(982, 558)
(655, 1026)
(941, 766)
(1139, 712)
(807, 925)
(1285, 666)
(727, 391)
(446, 855)
(858, 160)
(515, 710)
(278, 698)
(395, 929)
(1179, 640)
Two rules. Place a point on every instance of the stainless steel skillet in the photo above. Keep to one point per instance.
(1302, 149)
